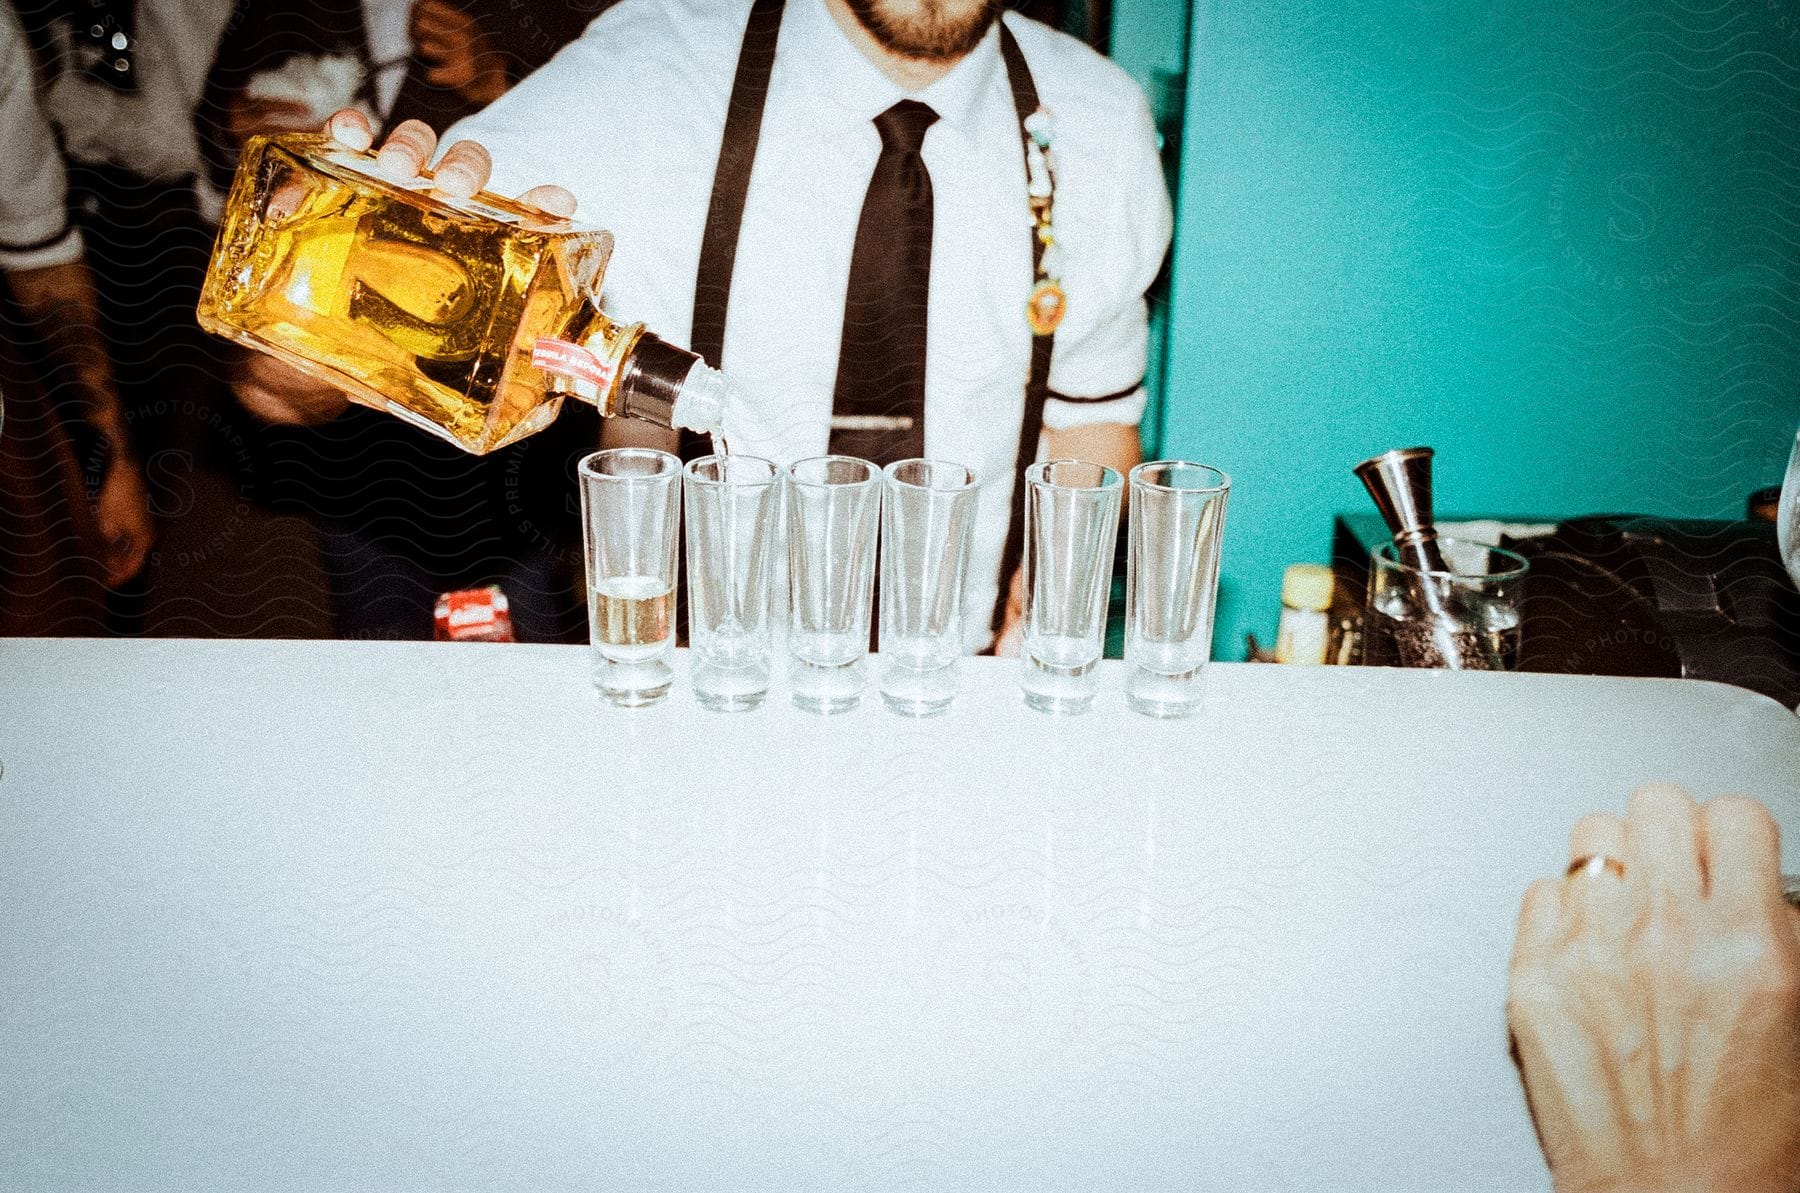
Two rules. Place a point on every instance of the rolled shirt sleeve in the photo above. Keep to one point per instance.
(34, 217)
(627, 118)
(1117, 234)
(534, 133)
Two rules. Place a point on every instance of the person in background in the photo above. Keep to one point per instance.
(402, 516)
(1655, 1003)
(834, 201)
(433, 60)
(61, 388)
(120, 80)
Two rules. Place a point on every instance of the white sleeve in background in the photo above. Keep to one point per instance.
(627, 117)
(34, 216)
(1116, 237)
(594, 115)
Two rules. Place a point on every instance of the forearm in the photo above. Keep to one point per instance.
(59, 303)
(1115, 445)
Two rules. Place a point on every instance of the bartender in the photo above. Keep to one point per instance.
(901, 229)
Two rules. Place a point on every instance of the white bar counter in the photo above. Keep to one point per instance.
(350, 916)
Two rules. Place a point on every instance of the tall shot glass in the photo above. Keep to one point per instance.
(927, 526)
(1071, 526)
(732, 505)
(630, 512)
(1176, 527)
(833, 506)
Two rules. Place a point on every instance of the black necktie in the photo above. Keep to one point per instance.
(881, 363)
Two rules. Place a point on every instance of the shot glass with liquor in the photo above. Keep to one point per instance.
(927, 527)
(630, 513)
(1175, 532)
(473, 318)
(1071, 527)
(833, 505)
(732, 507)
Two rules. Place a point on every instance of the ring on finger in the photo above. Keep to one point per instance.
(1596, 863)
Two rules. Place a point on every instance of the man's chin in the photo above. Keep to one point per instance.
(924, 37)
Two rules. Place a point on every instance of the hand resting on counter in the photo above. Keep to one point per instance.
(1655, 1003)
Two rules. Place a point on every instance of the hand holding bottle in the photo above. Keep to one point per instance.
(1655, 1003)
(281, 394)
(464, 170)
(396, 288)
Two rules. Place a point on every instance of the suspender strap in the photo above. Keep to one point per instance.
(1037, 382)
(731, 180)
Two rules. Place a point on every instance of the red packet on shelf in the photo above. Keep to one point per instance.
(474, 615)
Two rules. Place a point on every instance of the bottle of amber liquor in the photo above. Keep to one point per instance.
(472, 318)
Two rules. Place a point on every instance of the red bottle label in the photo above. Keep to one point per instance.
(570, 360)
(474, 615)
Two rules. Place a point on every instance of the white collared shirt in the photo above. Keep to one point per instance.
(629, 118)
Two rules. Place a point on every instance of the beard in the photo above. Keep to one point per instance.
(928, 30)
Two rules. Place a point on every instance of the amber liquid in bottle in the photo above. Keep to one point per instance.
(429, 307)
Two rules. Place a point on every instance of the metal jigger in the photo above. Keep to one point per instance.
(1400, 483)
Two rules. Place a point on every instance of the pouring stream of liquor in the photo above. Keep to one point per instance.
(731, 625)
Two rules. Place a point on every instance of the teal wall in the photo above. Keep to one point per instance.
(1149, 38)
(1559, 240)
